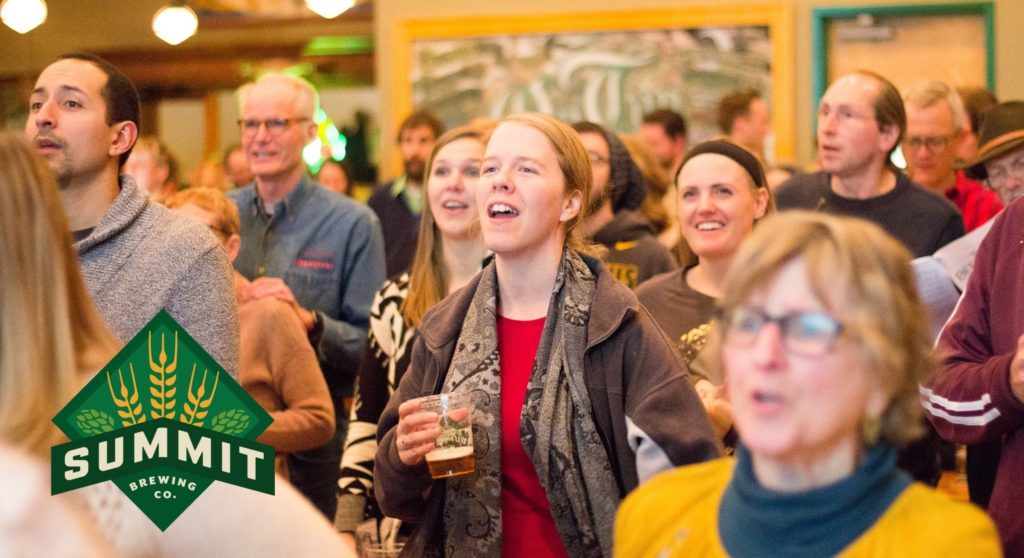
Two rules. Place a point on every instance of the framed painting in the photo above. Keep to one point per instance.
(606, 67)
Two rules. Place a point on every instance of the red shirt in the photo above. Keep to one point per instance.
(527, 527)
(977, 203)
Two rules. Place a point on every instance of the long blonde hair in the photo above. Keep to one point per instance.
(428, 277)
(50, 332)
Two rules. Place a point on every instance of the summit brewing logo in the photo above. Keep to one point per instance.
(162, 421)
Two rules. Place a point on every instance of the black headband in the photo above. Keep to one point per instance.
(741, 156)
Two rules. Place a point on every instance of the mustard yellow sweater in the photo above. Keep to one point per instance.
(676, 514)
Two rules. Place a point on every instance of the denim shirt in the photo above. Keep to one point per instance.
(329, 250)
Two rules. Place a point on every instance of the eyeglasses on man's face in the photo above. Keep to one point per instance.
(803, 333)
(932, 144)
(275, 126)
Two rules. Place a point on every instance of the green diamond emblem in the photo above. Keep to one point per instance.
(162, 420)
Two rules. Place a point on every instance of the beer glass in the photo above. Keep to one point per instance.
(453, 450)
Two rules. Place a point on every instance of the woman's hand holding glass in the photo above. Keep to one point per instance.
(416, 432)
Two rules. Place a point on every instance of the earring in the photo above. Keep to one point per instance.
(871, 429)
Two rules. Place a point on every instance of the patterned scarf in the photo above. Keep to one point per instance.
(557, 429)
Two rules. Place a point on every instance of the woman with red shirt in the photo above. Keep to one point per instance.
(579, 396)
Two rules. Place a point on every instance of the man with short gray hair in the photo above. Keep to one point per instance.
(936, 127)
(312, 248)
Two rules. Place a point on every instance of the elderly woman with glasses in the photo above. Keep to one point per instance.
(823, 341)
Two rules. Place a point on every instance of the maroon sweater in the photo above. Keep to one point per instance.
(970, 400)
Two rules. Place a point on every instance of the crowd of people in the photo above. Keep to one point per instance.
(672, 349)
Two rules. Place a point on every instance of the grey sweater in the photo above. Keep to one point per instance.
(141, 258)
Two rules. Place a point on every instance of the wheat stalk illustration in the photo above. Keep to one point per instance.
(162, 379)
(194, 408)
(129, 408)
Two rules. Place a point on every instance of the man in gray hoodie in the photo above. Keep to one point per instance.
(136, 256)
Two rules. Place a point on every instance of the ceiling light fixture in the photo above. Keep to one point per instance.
(330, 9)
(23, 15)
(175, 22)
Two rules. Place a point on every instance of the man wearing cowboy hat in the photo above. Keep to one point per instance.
(978, 394)
(1000, 160)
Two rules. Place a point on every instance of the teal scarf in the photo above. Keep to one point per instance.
(756, 521)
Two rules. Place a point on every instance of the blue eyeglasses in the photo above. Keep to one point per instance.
(803, 333)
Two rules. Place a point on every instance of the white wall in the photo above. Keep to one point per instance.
(180, 122)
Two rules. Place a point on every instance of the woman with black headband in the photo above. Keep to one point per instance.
(721, 193)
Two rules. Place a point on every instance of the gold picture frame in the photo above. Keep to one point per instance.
(776, 18)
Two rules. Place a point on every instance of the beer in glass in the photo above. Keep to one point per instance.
(453, 450)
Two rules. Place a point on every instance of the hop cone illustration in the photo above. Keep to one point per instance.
(231, 422)
(92, 422)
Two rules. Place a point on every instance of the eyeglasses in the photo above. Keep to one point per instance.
(842, 115)
(803, 333)
(275, 126)
(930, 143)
(999, 175)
